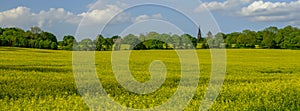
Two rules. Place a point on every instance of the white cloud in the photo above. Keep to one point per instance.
(273, 11)
(19, 15)
(24, 18)
(146, 17)
(157, 16)
(227, 5)
(102, 4)
(256, 10)
(102, 16)
(56, 15)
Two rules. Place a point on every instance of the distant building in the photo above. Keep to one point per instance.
(199, 35)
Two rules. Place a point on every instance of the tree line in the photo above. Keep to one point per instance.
(33, 38)
(271, 38)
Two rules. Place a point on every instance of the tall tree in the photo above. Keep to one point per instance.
(296, 42)
(247, 39)
(108, 42)
(132, 40)
(68, 42)
(219, 40)
(165, 39)
(188, 41)
(36, 30)
(100, 43)
(210, 39)
(1, 30)
(231, 39)
(48, 36)
(116, 42)
(86, 45)
(268, 38)
(176, 41)
(279, 39)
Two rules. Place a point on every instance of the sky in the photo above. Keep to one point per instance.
(88, 18)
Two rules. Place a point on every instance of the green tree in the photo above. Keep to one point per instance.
(40, 44)
(54, 46)
(1, 30)
(219, 40)
(210, 39)
(47, 44)
(296, 42)
(31, 43)
(247, 39)
(188, 41)
(131, 39)
(279, 39)
(231, 39)
(48, 36)
(68, 42)
(165, 39)
(176, 40)
(142, 37)
(287, 37)
(36, 30)
(86, 45)
(156, 44)
(152, 35)
(268, 39)
(259, 38)
(100, 43)
(108, 42)
(140, 46)
(116, 42)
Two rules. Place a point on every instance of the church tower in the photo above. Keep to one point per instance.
(199, 34)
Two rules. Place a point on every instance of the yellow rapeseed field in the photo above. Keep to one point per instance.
(35, 79)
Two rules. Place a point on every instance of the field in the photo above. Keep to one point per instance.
(34, 79)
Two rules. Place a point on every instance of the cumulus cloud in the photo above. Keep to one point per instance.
(102, 4)
(257, 11)
(19, 15)
(55, 15)
(146, 17)
(23, 17)
(102, 16)
(227, 5)
(273, 11)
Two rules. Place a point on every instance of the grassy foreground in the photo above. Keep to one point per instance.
(33, 79)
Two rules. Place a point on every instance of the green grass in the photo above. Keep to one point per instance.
(34, 79)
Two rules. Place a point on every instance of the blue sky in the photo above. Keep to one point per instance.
(87, 18)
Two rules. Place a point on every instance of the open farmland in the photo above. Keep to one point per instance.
(34, 79)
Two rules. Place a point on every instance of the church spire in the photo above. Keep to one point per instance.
(199, 34)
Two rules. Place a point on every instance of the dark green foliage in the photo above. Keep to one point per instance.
(1, 30)
(100, 43)
(131, 39)
(247, 39)
(105, 44)
(116, 42)
(86, 45)
(35, 38)
(140, 46)
(188, 41)
(68, 42)
(53, 45)
(156, 44)
(271, 37)
(108, 43)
